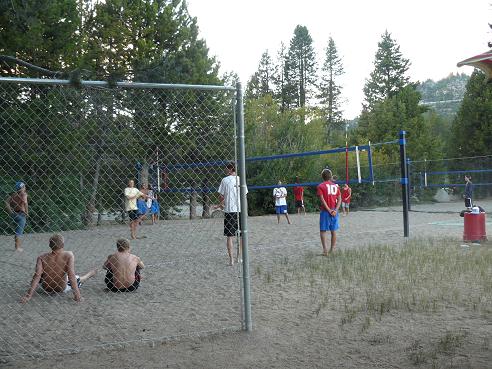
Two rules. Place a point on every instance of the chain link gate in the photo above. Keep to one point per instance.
(76, 148)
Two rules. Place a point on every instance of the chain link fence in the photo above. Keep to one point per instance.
(76, 148)
(431, 177)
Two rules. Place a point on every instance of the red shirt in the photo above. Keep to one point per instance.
(330, 192)
(298, 193)
(346, 195)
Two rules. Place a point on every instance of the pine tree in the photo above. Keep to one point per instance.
(40, 32)
(471, 131)
(261, 83)
(300, 68)
(330, 89)
(279, 78)
(402, 111)
(388, 76)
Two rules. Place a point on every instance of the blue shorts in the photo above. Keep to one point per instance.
(282, 209)
(327, 222)
(142, 207)
(154, 209)
(20, 222)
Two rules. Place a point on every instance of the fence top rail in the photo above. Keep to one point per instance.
(165, 86)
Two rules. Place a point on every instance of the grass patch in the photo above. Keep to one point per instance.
(421, 276)
(436, 351)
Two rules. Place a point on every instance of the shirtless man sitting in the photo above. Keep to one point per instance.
(56, 272)
(123, 269)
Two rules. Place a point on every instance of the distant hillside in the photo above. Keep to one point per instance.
(445, 95)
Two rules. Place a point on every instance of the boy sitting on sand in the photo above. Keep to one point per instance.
(123, 269)
(56, 272)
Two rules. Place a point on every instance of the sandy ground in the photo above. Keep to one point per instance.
(189, 301)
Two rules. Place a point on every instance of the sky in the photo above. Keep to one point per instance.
(433, 34)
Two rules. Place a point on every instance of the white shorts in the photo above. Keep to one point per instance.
(68, 287)
(345, 205)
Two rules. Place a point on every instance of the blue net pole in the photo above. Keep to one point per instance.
(404, 182)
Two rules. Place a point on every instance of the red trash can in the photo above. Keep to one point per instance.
(474, 229)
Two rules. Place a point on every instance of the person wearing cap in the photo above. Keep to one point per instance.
(16, 205)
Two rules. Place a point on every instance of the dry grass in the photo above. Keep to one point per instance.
(422, 276)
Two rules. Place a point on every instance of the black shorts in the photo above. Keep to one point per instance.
(110, 284)
(468, 202)
(299, 203)
(231, 225)
(133, 214)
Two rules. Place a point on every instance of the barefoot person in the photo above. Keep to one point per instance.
(330, 200)
(16, 205)
(142, 204)
(346, 196)
(231, 204)
(280, 197)
(131, 196)
(123, 269)
(56, 272)
(155, 209)
(299, 197)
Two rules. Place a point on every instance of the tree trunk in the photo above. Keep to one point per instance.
(144, 175)
(206, 200)
(91, 205)
(193, 204)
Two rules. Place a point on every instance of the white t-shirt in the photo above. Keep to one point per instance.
(280, 195)
(229, 188)
(150, 194)
(131, 204)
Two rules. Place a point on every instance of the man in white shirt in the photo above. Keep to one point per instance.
(280, 196)
(131, 196)
(231, 204)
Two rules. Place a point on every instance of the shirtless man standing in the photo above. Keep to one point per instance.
(56, 272)
(123, 269)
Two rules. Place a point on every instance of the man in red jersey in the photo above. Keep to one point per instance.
(299, 197)
(346, 196)
(330, 200)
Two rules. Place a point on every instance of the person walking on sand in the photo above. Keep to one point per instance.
(231, 204)
(280, 197)
(123, 269)
(330, 199)
(155, 209)
(55, 271)
(346, 196)
(468, 194)
(17, 207)
(299, 197)
(131, 196)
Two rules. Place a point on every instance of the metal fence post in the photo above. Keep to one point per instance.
(244, 209)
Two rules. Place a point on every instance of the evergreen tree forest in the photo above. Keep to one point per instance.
(294, 102)
(295, 105)
(87, 135)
